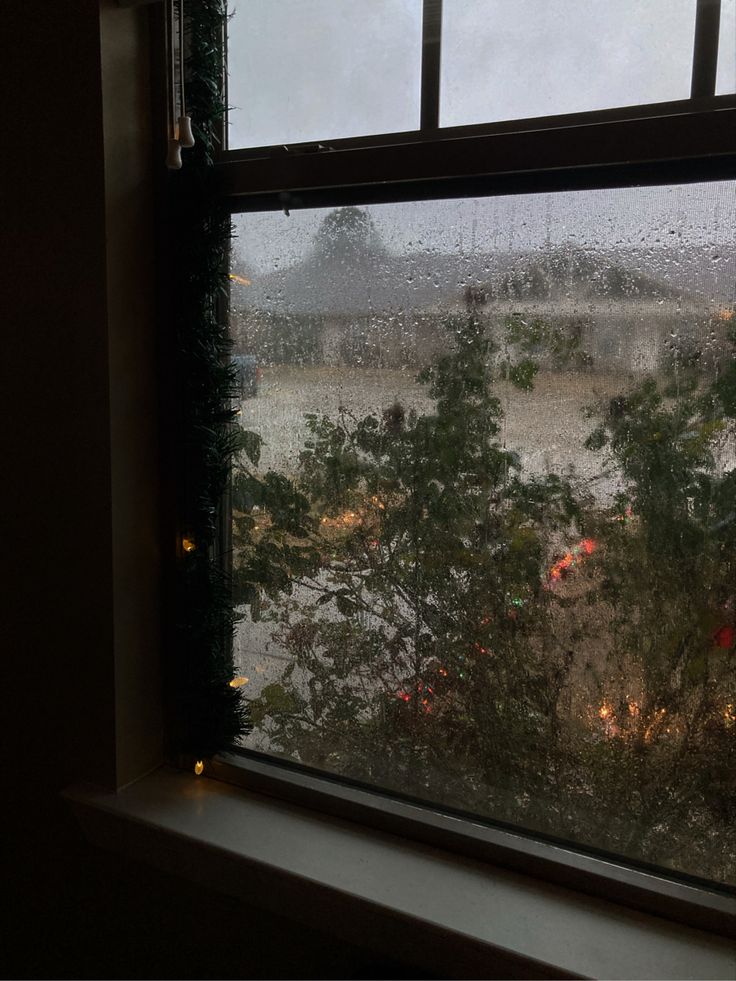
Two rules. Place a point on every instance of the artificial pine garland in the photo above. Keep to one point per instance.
(209, 715)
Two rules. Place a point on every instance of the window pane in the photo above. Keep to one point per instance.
(487, 556)
(530, 58)
(307, 70)
(726, 74)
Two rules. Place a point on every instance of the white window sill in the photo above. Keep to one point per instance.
(454, 916)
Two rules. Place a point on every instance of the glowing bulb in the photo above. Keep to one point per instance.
(199, 767)
(188, 544)
(238, 682)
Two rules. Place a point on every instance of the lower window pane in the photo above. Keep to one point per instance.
(485, 523)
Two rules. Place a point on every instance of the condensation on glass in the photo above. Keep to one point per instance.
(487, 555)
(308, 70)
(531, 58)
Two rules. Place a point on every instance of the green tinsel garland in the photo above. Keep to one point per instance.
(209, 715)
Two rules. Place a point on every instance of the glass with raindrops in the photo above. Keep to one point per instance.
(484, 519)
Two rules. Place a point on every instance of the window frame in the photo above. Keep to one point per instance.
(676, 142)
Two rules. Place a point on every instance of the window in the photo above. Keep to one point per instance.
(483, 536)
(304, 70)
(328, 70)
(525, 60)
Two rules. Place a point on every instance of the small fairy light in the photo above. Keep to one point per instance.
(188, 544)
(199, 767)
(238, 681)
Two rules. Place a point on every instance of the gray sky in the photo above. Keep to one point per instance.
(321, 69)
(655, 218)
(308, 70)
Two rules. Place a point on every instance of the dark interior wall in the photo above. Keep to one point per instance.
(78, 527)
(55, 394)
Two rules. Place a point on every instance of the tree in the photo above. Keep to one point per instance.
(459, 631)
(347, 234)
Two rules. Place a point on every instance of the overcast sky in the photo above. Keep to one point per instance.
(321, 69)
(658, 219)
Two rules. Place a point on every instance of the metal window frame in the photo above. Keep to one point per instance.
(705, 48)
(681, 145)
(676, 142)
(702, 89)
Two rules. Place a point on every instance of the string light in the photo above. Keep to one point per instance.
(199, 768)
(188, 544)
(724, 637)
(345, 520)
(573, 558)
(238, 681)
(242, 280)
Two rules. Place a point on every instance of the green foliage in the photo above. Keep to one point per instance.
(406, 573)
(207, 715)
(559, 343)
(436, 538)
(522, 374)
(347, 234)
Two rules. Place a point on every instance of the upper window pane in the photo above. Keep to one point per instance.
(726, 75)
(504, 60)
(307, 70)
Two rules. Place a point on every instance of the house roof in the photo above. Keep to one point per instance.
(375, 281)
